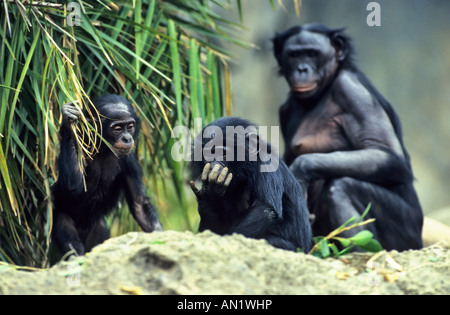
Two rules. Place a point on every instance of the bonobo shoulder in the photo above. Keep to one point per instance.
(286, 107)
(349, 91)
(284, 112)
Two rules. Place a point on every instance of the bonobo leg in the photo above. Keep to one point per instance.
(395, 227)
(283, 243)
(97, 234)
(66, 234)
(139, 204)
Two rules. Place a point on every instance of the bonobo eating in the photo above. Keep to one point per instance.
(239, 195)
(343, 140)
(83, 199)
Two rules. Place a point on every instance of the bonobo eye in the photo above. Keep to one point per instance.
(294, 53)
(117, 128)
(309, 53)
(312, 53)
(131, 126)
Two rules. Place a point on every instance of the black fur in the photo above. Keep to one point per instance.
(343, 139)
(261, 205)
(82, 201)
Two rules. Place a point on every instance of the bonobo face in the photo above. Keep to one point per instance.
(119, 128)
(308, 63)
(230, 142)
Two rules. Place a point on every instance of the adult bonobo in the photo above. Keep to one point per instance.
(343, 139)
(242, 193)
(82, 200)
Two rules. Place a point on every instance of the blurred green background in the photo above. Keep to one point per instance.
(407, 58)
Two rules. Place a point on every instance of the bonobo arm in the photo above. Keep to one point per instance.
(372, 165)
(210, 198)
(285, 115)
(138, 202)
(256, 222)
(378, 154)
(258, 219)
(262, 222)
(70, 175)
(230, 213)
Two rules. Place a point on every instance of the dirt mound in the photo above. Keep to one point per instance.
(186, 263)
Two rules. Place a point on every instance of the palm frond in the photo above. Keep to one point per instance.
(166, 57)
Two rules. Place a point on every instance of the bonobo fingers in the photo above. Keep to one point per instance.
(193, 187)
(215, 179)
(223, 182)
(228, 180)
(206, 173)
(222, 176)
(70, 112)
(214, 173)
(204, 178)
(220, 179)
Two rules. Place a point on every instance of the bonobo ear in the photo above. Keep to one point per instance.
(253, 143)
(341, 44)
(278, 43)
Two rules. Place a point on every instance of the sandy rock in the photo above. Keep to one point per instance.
(186, 263)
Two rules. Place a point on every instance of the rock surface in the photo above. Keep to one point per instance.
(186, 263)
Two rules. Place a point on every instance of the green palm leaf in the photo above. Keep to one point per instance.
(163, 56)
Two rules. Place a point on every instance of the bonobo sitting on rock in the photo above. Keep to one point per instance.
(344, 140)
(241, 194)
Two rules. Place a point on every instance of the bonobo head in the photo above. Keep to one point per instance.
(233, 143)
(120, 123)
(309, 57)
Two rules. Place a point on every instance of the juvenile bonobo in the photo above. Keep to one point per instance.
(343, 139)
(239, 195)
(82, 200)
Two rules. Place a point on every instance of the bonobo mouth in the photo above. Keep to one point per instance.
(304, 88)
(121, 150)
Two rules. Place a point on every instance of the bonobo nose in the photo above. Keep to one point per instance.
(127, 139)
(304, 68)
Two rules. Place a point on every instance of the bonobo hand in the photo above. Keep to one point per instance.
(215, 180)
(302, 168)
(70, 113)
